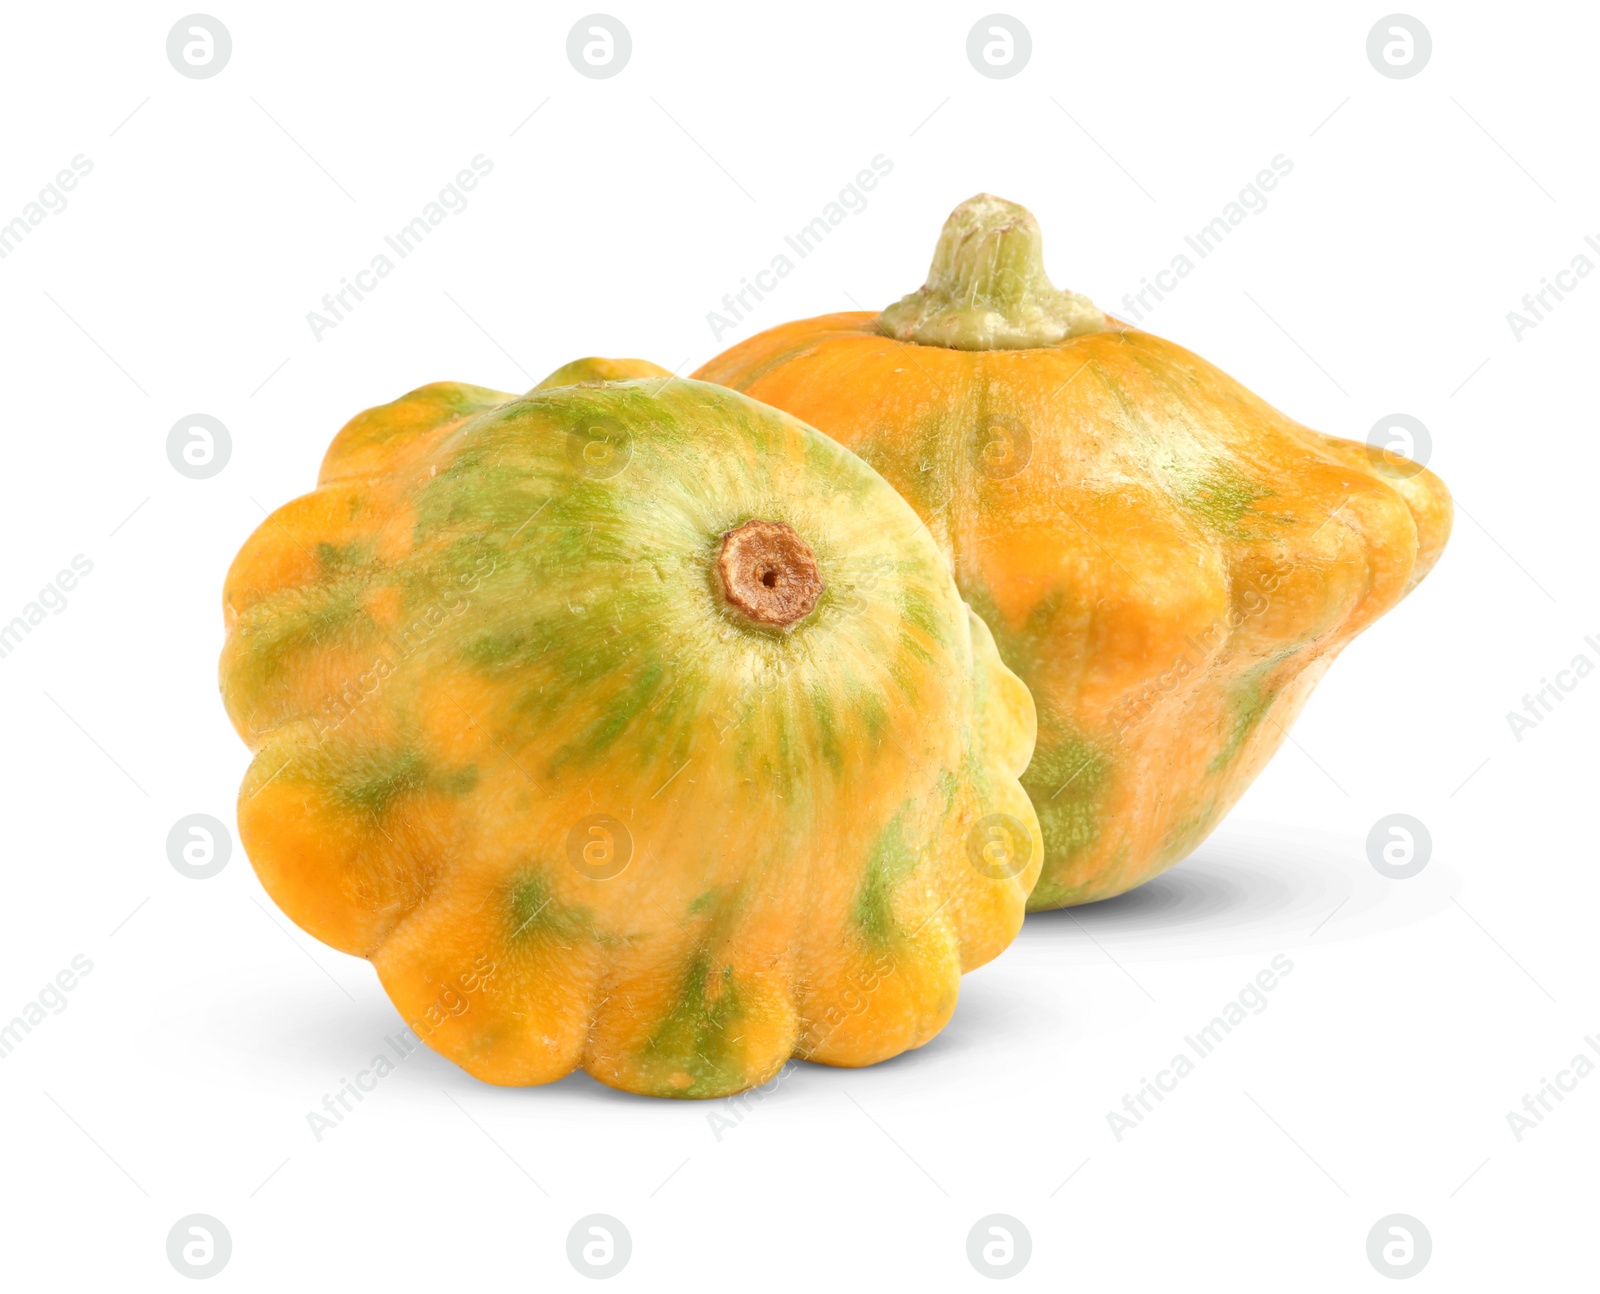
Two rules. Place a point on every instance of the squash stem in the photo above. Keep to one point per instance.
(987, 288)
(769, 573)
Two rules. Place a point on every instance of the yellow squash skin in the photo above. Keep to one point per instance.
(514, 743)
(1168, 562)
(597, 368)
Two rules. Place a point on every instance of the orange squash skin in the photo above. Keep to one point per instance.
(475, 635)
(1167, 561)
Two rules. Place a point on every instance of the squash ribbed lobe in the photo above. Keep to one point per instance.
(1167, 561)
(514, 744)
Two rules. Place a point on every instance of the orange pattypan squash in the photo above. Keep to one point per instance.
(1168, 562)
(631, 726)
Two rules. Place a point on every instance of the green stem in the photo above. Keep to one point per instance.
(987, 289)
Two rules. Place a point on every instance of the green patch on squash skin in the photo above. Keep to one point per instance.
(597, 739)
(931, 457)
(1251, 702)
(1209, 488)
(1067, 783)
(337, 609)
(873, 717)
(501, 648)
(454, 570)
(335, 561)
(1222, 499)
(380, 782)
(827, 729)
(1225, 501)
(903, 668)
(376, 783)
(1030, 649)
(289, 624)
(534, 913)
(695, 1039)
(890, 861)
(1048, 895)
(919, 609)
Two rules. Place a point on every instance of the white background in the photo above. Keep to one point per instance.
(1418, 1013)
